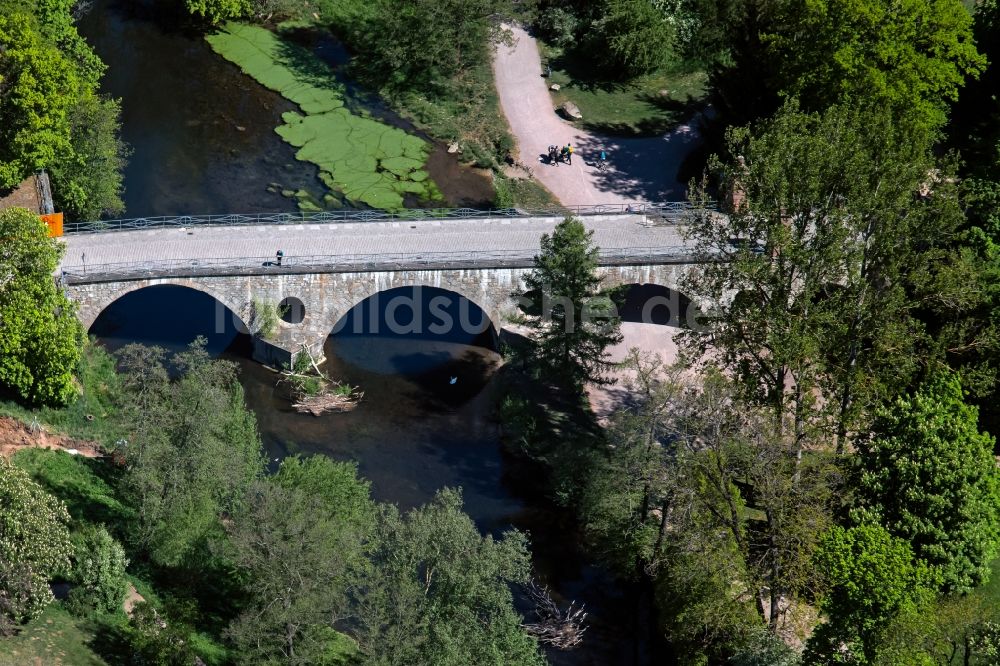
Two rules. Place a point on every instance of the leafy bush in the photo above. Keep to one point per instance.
(557, 25)
(928, 474)
(635, 37)
(504, 197)
(40, 336)
(264, 316)
(34, 545)
(157, 639)
(98, 571)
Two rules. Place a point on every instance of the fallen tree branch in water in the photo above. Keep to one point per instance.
(315, 392)
(560, 629)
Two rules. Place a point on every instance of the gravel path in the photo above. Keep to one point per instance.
(642, 169)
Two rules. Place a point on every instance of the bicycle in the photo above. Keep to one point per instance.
(602, 162)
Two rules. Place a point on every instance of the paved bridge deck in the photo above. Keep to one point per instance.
(346, 246)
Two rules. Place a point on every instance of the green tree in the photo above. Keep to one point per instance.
(871, 578)
(415, 44)
(930, 477)
(298, 538)
(630, 481)
(217, 11)
(98, 571)
(699, 495)
(191, 452)
(575, 323)
(813, 298)
(911, 56)
(438, 592)
(88, 182)
(56, 22)
(955, 630)
(634, 36)
(40, 337)
(53, 117)
(38, 92)
(34, 546)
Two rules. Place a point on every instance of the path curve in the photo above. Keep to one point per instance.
(641, 169)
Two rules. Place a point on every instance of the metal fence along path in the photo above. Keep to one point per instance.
(349, 263)
(670, 211)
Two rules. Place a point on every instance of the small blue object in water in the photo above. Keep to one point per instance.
(453, 380)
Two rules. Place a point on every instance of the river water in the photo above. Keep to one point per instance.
(203, 142)
(202, 133)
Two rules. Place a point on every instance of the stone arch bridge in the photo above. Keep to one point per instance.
(332, 265)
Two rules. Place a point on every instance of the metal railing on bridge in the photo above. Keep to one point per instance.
(666, 212)
(350, 263)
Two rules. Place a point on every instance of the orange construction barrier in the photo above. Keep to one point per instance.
(54, 221)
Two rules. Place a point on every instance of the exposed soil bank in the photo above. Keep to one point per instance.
(15, 435)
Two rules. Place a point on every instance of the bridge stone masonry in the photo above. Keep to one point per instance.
(331, 267)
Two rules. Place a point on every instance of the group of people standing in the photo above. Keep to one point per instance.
(564, 154)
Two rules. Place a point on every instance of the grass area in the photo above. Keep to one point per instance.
(990, 592)
(647, 106)
(55, 637)
(522, 193)
(91, 415)
(79, 482)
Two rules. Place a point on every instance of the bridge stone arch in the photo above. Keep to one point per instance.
(328, 296)
(489, 290)
(93, 299)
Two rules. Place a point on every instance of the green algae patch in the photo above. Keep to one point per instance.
(365, 160)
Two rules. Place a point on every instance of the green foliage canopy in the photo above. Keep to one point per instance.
(634, 35)
(437, 593)
(872, 578)
(415, 43)
(53, 117)
(38, 91)
(40, 337)
(191, 452)
(217, 11)
(298, 537)
(34, 545)
(910, 55)
(929, 476)
(832, 238)
(575, 323)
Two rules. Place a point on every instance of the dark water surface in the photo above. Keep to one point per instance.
(414, 433)
(202, 133)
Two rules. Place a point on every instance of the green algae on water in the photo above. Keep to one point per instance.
(365, 160)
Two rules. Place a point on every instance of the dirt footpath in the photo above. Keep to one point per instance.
(643, 169)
